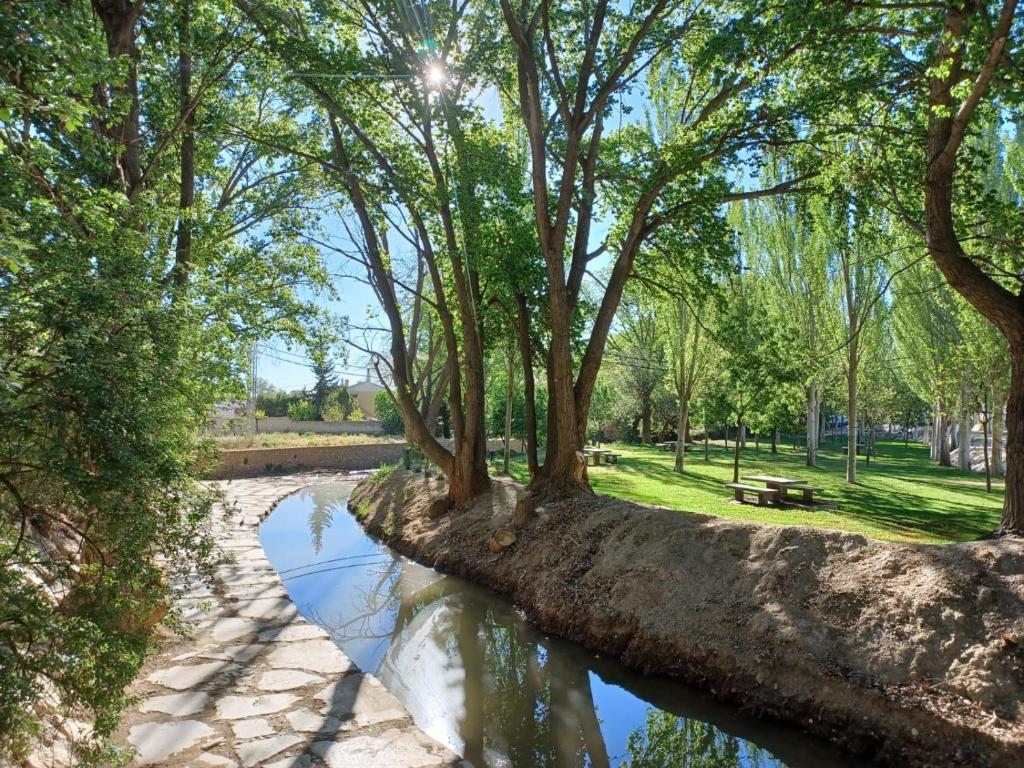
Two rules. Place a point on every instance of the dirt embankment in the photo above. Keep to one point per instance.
(911, 654)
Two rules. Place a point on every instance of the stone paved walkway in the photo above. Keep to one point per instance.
(258, 685)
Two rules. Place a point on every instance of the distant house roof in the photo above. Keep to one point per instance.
(365, 386)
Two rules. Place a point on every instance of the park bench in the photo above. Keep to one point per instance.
(763, 494)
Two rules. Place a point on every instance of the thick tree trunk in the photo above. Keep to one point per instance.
(529, 394)
(561, 473)
(1013, 503)
(963, 442)
(943, 439)
(119, 20)
(948, 124)
(996, 432)
(645, 424)
(187, 191)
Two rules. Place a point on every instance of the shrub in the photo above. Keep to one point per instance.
(387, 412)
(302, 410)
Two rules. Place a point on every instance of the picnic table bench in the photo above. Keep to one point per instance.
(860, 449)
(808, 492)
(763, 494)
(595, 456)
(785, 486)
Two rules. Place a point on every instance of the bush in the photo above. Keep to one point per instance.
(302, 410)
(333, 413)
(390, 419)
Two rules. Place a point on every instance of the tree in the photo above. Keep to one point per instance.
(639, 356)
(390, 418)
(969, 75)
(406, 154)
(323, 371)
(790, 251)
(114, 351)
(566, 94)
(926, 333)
(755, 363)
(687, 358)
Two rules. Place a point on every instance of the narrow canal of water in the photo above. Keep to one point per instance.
(477, 677)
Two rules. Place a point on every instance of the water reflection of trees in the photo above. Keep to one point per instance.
(669, 741)
(326, 501)
(524, 702)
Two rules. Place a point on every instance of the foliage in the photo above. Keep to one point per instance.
(302, 410)
(387, 413)
(670, 741)
(112, 354)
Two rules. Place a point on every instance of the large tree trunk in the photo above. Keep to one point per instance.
(996, 433)
(529, 393)
(948, 123)
(560, 473)
(187, 191)
(942, 446)
(119, 20)
(645, 423)
(963, 442)
(1013, 503)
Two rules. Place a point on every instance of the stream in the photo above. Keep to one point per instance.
(478, 678)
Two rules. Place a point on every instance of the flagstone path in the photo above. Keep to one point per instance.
(256, 684)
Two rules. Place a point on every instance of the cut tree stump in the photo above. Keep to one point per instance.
(438, 507)
(502, 539)
(524, 510)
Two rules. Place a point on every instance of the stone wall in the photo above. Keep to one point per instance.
(253, 462)
(285, 424)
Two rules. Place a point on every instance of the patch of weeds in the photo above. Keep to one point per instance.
(388, 529)
(385, 471)
(361, 511)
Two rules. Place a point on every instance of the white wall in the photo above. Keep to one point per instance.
(285, 424)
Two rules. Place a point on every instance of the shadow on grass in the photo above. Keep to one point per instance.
(900, 494)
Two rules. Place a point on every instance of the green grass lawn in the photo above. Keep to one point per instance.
(901, 496)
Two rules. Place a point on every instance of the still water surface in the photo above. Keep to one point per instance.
(478, 678)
